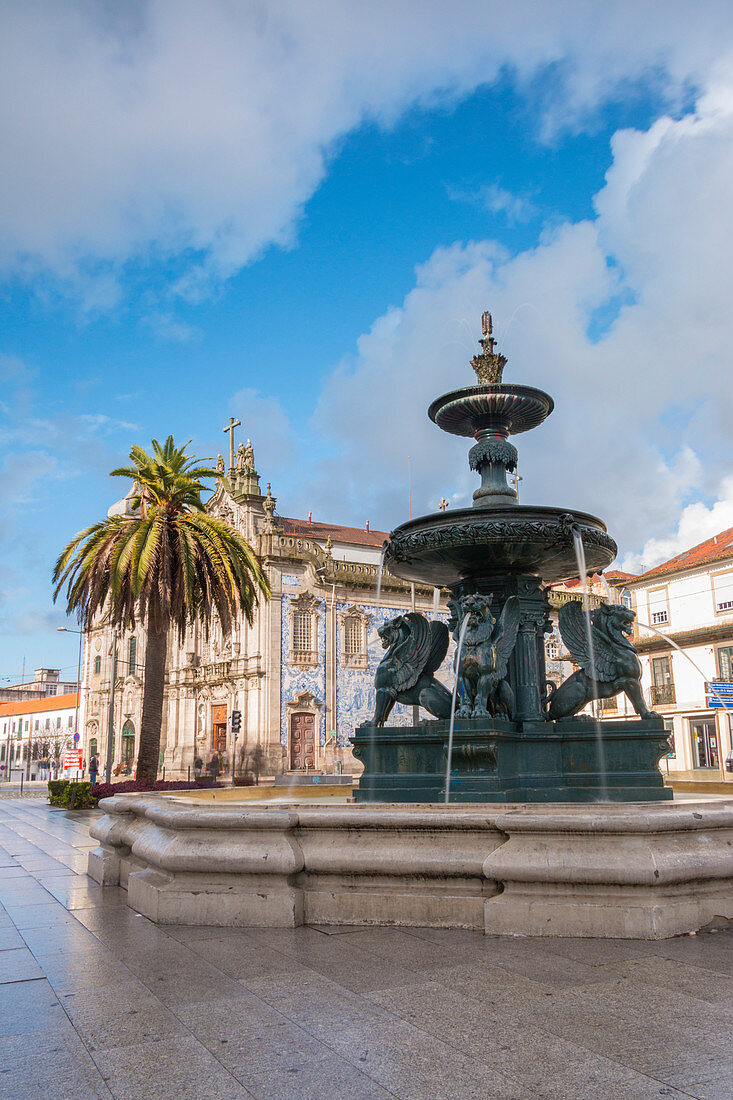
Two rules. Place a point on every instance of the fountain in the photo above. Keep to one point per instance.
(524, 852)
(514, 739)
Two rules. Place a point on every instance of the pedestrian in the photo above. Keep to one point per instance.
(198, 767)
(93, 769)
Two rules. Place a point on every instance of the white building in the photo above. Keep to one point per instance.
(36, 731)
(689, 600)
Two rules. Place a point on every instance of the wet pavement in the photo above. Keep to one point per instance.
(95, 1001)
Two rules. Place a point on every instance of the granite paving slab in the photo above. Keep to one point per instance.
(97, 1001)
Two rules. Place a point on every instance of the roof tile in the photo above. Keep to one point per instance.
(717, 548)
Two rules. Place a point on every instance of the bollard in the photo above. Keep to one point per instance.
(21, 784)
(189, 773)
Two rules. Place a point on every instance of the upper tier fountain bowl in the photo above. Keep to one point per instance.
(470, 544)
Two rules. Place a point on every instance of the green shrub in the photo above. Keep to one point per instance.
(72, 796)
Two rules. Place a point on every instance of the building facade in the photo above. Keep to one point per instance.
(34, 735)
(688, 601)
(46, 682)
(301, 675)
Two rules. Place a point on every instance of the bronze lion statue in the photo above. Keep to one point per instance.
(415, 649)
(608, 661)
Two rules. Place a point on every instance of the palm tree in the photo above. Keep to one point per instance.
(167, 565)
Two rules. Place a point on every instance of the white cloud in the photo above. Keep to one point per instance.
(641, 428)
(697, 523)
(514, 207)
(201, 130)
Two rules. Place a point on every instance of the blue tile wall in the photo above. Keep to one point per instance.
(294, 680)
(355, 695)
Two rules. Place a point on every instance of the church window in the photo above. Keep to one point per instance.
(97, 665)
(353, 624)
(302, 630)
(93, 747)
(131, 657)
(352, 637)
(303, 615)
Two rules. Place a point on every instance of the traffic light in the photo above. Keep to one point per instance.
(236, 721)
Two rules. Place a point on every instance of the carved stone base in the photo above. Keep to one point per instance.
(495, 760)
(633, 871)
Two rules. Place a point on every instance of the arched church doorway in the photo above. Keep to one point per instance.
(128, 746)
(302, 741)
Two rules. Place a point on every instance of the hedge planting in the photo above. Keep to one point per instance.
(83, 796)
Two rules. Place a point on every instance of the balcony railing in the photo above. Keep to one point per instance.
(663, 695)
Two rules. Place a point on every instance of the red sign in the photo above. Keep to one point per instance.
(72, 758)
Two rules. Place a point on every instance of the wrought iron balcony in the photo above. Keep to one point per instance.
(663, 695)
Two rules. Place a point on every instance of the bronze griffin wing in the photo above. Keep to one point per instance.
(408, 660)
(506, 636)
(571, 620)
(439, 639)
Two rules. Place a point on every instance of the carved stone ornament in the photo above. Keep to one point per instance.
(304, 700)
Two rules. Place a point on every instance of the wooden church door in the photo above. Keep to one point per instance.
(302, 741)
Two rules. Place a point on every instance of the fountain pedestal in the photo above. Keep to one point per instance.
(497, 760)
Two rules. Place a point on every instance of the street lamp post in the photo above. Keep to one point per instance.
(111, 719)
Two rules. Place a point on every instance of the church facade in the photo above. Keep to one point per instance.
(301, 675)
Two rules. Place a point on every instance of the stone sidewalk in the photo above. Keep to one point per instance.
(96, 1001)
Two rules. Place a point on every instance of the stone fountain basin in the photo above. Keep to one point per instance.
(446, 548)
(626, 870)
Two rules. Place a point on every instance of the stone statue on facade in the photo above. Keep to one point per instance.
(608, 661)
(415, 650)
(220, 465)
(487, 645)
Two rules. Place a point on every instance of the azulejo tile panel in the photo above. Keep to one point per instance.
(355, 694)
(295, 680)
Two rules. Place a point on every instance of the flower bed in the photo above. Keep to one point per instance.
(83, 796)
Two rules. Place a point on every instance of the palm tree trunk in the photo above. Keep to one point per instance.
(156, 652)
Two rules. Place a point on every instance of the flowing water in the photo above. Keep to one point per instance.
(436, 601)
(583, 574)
(459, 651)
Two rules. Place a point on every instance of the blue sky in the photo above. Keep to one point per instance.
(299, 221)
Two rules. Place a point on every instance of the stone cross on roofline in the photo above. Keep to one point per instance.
(230, 428)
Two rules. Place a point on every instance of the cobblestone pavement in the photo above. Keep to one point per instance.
(96, 1001)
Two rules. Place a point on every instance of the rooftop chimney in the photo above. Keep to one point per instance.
(310, 517)
(367, 527)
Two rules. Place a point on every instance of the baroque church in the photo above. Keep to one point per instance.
(301, 675)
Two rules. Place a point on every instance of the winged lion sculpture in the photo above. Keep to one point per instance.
(608, 661)
(415, 649)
